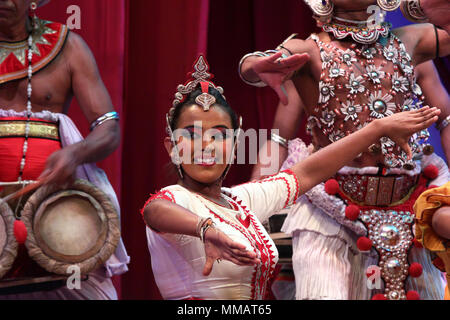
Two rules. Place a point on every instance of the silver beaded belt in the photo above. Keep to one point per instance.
(370, 190)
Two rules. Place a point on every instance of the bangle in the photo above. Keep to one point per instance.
(437, 41)
(208, 224)
(102, 119)
(444, 123)
(267, 53)
(280, 140)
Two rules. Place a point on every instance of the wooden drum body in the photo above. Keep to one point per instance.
(8, 243)
(77, 226)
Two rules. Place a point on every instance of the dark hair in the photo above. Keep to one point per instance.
(190, 100)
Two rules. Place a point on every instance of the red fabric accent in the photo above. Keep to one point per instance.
(417, 244)
(439, 263)
(412, 295)
(297, 184)
(260, 244)
(20, 231)
(11, 65)
(415, 270)
(352, 212)
(164, 194)
(332, 187)
(431, 172)
(11, 151)
(205, 87)
(364, 244)
(379, 296)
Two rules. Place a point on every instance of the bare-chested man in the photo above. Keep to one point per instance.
(346, 76)
(37, 140)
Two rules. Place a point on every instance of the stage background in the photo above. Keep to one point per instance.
(144, 48)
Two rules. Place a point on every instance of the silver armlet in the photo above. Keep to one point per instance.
(443, 124)
(102, 119)
(280, 140)
(267, 53)
(412, 11)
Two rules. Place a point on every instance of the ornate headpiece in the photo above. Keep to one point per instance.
(200, 75)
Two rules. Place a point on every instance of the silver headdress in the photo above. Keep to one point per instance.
(200, 75)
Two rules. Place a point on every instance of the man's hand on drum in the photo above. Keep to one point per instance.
(218, 246)
(274, 70)
(60, 167)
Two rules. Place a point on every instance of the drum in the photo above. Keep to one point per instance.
(8, 243)
(78, 226)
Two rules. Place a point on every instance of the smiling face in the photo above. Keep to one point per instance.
(13, 12)
(204, 142)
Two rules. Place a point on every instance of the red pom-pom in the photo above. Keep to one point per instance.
(20, 231)
(364, 244)
(379, 296)
(417, 244)
(332, 186)
(431, 172)
(352, 212)
(415, 270)
(412, 295)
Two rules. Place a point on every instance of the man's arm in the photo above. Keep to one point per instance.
(436, 95)
(94, 100)
(287, 121)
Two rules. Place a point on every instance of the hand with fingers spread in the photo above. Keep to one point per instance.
(275, 70)
(219, 246)
(401, 126)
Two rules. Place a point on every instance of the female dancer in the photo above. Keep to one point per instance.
(197, 222)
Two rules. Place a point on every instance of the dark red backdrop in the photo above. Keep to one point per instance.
(144, 48)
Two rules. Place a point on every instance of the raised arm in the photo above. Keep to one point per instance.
(399, 127)
(287, 121)
(94, 100)
(437, 96)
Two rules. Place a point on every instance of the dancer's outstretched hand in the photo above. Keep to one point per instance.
(275, 70)
(219, 246)
(399, 127)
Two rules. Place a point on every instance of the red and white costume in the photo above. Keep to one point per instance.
(178, 260)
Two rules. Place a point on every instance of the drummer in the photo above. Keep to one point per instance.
(34, 127)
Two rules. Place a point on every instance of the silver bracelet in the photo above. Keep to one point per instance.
(267, 53)
(444, 123)
(280, 140)
(102, 119)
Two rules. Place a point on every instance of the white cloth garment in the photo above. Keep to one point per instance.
(99, 285)
(178, 260)
(326, 261)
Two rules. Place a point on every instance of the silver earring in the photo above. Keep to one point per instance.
(389, 5)
(175, 155)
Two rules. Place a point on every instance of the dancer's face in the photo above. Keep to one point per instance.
(205, 141)
(13, 11)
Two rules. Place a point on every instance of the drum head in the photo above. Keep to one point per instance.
(77, 226)
(8, 243)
